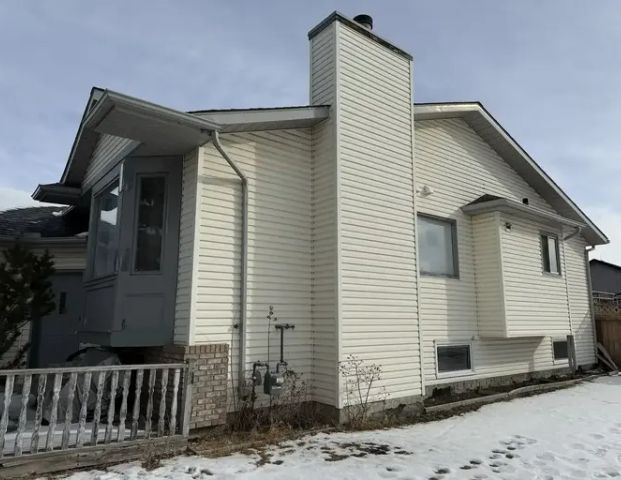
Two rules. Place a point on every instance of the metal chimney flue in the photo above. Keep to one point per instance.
(365, 20)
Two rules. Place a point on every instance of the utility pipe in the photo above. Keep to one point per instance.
(215, 138)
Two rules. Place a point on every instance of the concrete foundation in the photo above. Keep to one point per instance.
(463, 386)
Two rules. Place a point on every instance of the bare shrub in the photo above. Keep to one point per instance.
(292, 408)
(359, 378)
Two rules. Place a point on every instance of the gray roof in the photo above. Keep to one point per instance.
(485, 198)
(43, 222)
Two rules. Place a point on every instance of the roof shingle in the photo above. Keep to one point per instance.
(44, 221)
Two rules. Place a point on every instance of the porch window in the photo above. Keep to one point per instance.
(453, 358)
(438, 246)
(550, 253)
(150, 228)
(106, 231)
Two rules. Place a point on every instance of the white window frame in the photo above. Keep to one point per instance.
(455, 244)
(559, 361)
(548, 235)
(455, 373)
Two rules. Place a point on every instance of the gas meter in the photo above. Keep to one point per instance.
(273, 382)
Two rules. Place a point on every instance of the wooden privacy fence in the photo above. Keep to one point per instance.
(56, 409)
(607, 309)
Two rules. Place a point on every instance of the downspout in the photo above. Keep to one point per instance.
(571, 328)
(215, 138)
(587, 266)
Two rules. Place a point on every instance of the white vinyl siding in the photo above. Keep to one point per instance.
(108, 151)
(460, 167)
(278, 167)
(489, 289)
(576, 269)
(378, 286)
(324, 222)
(535, 302)
(186, 267)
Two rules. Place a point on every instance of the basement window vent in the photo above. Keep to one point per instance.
(453, 358)
(560, 349)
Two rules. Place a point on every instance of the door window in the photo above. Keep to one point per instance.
(106, 231)
(150, 223)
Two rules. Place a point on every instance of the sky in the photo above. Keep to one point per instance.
(548, 70)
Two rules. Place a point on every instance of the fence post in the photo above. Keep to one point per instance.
(186, 405)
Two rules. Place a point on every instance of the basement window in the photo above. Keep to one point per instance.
(453, 358)
(560, 349)
(550, 254)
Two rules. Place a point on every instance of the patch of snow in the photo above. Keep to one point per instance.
(571, 434)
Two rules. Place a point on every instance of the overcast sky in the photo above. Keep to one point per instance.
(549, 71)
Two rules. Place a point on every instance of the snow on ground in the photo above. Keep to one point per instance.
(568, 434)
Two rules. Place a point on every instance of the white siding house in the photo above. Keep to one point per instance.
(420, 238)
(278, 167)
(502, 305)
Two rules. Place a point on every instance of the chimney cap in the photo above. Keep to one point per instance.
(339, 17)
(365, 20)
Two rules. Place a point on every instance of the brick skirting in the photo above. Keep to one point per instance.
(209, 391)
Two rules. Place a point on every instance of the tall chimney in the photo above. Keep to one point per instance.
(363, 201)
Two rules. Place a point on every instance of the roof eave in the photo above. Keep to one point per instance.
(513, 207)
(267, 119)
(132, 106)
(57, 193)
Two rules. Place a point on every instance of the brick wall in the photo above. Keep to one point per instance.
(209, 389)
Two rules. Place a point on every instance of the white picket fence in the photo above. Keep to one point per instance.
(47, 410)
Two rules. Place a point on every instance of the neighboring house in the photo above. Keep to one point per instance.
(60, 231)
(605, 277)
(422, 238)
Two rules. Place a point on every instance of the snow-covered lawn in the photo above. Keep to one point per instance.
(573, 433)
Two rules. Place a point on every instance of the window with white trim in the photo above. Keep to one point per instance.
(550, 254)
(453, 358)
